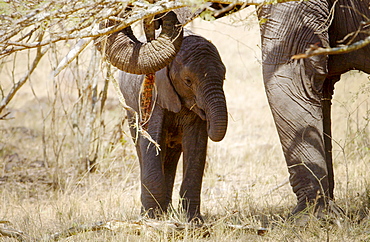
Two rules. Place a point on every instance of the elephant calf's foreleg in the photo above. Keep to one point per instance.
(153, 184)
(195, 147)
(172, 155)
(153, 188)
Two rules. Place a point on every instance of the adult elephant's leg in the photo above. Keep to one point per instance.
(294, 91)
(153, 187)
(194, 147)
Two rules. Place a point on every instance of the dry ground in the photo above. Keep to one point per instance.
(44, 187)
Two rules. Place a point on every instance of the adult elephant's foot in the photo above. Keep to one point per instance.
(303, 214)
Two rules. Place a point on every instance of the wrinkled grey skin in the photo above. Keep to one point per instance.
(299, 91)
(190, 107)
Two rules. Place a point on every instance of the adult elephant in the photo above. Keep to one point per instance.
(190, 107)
(299, 91)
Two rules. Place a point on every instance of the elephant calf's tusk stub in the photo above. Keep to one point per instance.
(193, 106)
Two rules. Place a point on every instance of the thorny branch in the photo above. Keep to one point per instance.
(77, 20)
(18, 28)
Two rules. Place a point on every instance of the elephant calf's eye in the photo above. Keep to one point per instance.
(187, 82)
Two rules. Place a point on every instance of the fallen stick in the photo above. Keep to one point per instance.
(135, 227)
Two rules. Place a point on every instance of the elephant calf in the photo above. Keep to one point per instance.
(190, 107)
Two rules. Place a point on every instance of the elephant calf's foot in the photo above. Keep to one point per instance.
(192, 212)
(153, 213)
(195, 219)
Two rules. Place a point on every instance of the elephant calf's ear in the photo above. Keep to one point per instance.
(167, 96)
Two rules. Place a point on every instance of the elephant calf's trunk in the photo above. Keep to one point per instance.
(216, 113)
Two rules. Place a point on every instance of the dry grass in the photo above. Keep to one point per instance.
(44, 186)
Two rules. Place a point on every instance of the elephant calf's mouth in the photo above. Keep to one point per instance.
(198, 111)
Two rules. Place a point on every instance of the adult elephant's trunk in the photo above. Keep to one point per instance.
(125, 52)
(216, 111)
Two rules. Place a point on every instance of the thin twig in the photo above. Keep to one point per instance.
(315, 50)
(283, 183)
(3, 117)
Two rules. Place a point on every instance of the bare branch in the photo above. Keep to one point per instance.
(23, 80)
(76, 50)
(314, 50)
